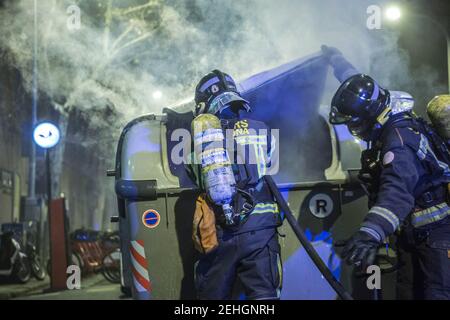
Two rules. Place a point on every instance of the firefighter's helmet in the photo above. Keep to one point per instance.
(217, 91)
(362, 105)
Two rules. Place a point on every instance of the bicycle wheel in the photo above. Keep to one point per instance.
(111, 266)
(37, 269)
(22, 270)
(75, 260)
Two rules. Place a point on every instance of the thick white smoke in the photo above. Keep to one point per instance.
(138, 56)
(126, 51)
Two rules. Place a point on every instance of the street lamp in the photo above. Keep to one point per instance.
(393, 13)
(46, 135)
(157, 95)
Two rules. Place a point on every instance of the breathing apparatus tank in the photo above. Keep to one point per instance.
(438, 111)
(211, 154)
(401, 102)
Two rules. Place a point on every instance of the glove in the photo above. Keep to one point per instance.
(361, 250)
(329, 52)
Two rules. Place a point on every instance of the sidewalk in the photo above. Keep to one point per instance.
(14, 290)
(92, 288)
(35, 287)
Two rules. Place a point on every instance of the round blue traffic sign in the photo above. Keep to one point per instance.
(151, 218)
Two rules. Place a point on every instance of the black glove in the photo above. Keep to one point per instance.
(329, 52)
(361, 250)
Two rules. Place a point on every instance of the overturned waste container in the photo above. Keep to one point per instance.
(318, 163)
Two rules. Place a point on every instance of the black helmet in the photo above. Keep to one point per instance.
(217, 91)
(362, 105)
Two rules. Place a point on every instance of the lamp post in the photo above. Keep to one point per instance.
(32, 164)
(393, 13)
(46, 135)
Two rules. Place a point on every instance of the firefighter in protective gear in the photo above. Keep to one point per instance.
(408, 165)
(247, 249)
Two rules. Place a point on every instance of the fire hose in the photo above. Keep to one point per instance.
(334, 283)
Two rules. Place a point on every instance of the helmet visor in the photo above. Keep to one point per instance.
(337, 117)
(224, 100)
(359, 128)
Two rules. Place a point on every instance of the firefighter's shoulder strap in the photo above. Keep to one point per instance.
(440, 145)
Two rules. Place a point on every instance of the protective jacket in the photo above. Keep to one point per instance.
(408, 164)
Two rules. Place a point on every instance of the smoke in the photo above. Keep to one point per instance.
(139, 56)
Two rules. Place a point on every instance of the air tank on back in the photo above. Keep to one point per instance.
(216, 171)
(438, 111)
(401, 102)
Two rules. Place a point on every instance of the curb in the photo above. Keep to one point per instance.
(26, 291)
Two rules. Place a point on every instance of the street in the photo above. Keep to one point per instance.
(92, 288)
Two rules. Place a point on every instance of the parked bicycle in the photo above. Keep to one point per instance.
(37, 270)
(110, 243)
(97, 252)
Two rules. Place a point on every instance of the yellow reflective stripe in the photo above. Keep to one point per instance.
(265, 208)
(253, 136)
(264, 211)
(252, 139)
(268, 210)
(263, 205)
(432, 214)
(244, 143)
(215, 166)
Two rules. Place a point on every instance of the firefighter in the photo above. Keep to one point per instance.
(247, 247)
(407, 165)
